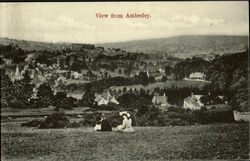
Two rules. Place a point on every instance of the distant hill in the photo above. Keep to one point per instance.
(33, 45)
(40, 46)
(180, 46)
(184, 45)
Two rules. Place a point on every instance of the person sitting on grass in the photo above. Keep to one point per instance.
(126, 123)
(102, 124)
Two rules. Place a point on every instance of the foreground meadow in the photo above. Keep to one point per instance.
(215, 141)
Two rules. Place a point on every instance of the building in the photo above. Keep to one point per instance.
(193, 102)
(100, 100)
(160, 100)
(75, 95)
(197, 76)
(135, 73)
(105, 99)
(7, 61)
(241, 116)
(17, 75)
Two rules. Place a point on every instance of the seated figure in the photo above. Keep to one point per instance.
(102, 124)
(126, 123)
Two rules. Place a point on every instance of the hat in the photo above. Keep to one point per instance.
(124, 113)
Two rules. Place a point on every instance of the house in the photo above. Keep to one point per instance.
(154, 73)
(241, 116)
(160, 100)
(31, 58)
(193, 102)
(76, 75)
(37, 78)
(198, 97)
(196, 76)
(134, 73)
(60, 80)
(7, 61)
(100, 100)
(75, 95)
(162, 70)
(17, 75)
(105, 99)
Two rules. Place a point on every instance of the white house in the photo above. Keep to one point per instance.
(160, 100)
(193, 102)
(105, 99)
(100, 100)
(17, 75)
(241, 116)
(198, 76)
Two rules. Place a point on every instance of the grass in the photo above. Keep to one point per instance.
(167, 84)
(215, 141)
(6, 112)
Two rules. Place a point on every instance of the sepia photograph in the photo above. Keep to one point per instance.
(124, 81)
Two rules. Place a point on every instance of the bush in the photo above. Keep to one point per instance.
(56, 120)
(90, 119)
(115, 119)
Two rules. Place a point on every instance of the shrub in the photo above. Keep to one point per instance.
(90, 119)
(56, 120)
(115, 119)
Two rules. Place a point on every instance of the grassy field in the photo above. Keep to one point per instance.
(167, 84)
(6, 112)
(217, 141)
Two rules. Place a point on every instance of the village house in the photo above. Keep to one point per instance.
(160, 101)
(31, 58)
(193, 102)
(7, 61)
(135, 73)
(76, 75)
(197, 76)
(105, 98)
(36, 77)
(75, 95)
(17, 75)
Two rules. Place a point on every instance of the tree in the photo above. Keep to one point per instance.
(120, 71)
(143, 78)
(67, 60)
(6, 89)
(124, 90)
(60, 99)
(88, 99)
(18, 94)
(76, 67)
(168, 70)
(90, 75)
(45, 95)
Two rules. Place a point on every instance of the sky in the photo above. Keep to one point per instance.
(77, 21)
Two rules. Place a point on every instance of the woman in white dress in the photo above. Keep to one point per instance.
(126, 123)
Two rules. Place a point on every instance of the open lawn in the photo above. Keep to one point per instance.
(215, 141)
(167, 84)
(9, 112)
